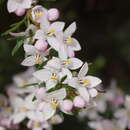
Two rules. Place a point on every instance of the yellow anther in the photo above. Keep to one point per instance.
(38, 59)
(50, 31)
(54, 77)
(7, 109)
(2, 102)
(128, 112)
(66, 62)
(84, 81)
(69, 40)
(23, 108)
(53, 120)
(117, 129)
(38, 14)
(54, 103)
(36, 124)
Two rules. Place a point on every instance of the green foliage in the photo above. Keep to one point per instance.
(15, 26)
(17, 47)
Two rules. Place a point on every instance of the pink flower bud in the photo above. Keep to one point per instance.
(20, 12)
(67, 105)
(40, 93)
(41, 45)
(79, 102)
(53, 14)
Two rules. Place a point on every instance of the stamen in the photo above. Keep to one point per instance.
(66, 62)
(54, 103)
(84, 81)
(23, 108)
(69, 40)
(36, 124)
(50, 32)
(54, 77)
(38, 59)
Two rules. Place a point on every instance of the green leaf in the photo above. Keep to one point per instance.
(14, 26)
(63, 79)
(34, 98)
(17, 47)
(27, 85)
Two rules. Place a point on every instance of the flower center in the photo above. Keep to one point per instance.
(53, 120)
(69, 40)
(54, 77)
(116, 128)
(36, 124)
(66, 62)
(84, 81)
(23, 108)
(38, 13)
(128, 112)
(2, 102)
(50, 32)
(7, 109)
(54, 103)
(38, 59)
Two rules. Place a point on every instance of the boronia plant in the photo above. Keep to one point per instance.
(56, 82)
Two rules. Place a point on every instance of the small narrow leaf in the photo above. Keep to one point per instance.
(27, 85)
(63, 79)
(17, 47)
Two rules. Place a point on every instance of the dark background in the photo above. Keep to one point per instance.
(104, 34)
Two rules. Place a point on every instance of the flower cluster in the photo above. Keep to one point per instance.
(56, 82)
(112, 111)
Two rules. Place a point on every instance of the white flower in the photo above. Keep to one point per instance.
(56, 119)
(51, 101)
(48, 30)
(38, 12)
(36, 125)
(70, 63)
(52, 77)
(64, 43)
(85, 84)
(13, 5)
(22, 108)
(35, 57)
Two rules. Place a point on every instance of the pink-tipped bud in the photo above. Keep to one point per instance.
(67, 105)
(79, 102)
(20, 12)
(40, 93)
(41, 45)
(53, 14)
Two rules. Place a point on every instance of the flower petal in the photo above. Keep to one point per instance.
(54, 63)
(58, 94)
(75, 45)
(58, 26)
(94, 81)
(50, 84)
(83, 71)
(53, 42)
(18, 117)
(93, 92)
(29, 49)
(29, 61)
(42, 75)
(76, 63)
(84, 93)
(48, 111)
(70, 30)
